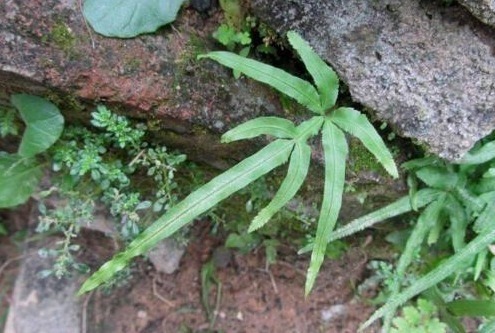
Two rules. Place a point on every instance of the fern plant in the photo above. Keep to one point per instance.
(457, 200)
(290, 144)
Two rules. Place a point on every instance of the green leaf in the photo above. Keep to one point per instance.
(19, 177)
(478, 156)
(196, 203)
(458, 222)
(485, 219)
(434, 295)
(472, 308)
(129, 18)
(290, 85)
(412, 184)
(298, 169)
(309, 128)
(3, 230)
(44, 123)
(438, 177)
(335, 151)
(274, 126)
(479, 264)
(357, 124)
(225, 34)
(422, 162)
(244, 242)
(401, 206)
(426, 222)
(453, 264)
(324, 76)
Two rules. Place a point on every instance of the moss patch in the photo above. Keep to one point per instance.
(360, 159)
(61, 35)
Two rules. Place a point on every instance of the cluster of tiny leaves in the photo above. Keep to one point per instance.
(99, 166)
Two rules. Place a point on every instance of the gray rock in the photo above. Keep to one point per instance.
(426, 68)
(484, 10)
(43, 305)
(330, 313)
(166, 256)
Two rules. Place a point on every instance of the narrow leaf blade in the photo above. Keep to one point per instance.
(426, 222)
(437, 177)
(198, 202)
(309, 128)
(458, 222)
(357, 124)
(325, 78)
(44, 123)
(401, 206)
(298, 169)
(335, 150)
(451, 265)
(278, 127)
(302, 91)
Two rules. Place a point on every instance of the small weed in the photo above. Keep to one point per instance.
(100, 167)
(421, 318)
(9, 122)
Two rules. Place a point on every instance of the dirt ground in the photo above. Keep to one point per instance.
(252, 298)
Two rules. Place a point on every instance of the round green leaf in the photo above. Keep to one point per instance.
(129, 18)
(19, 178)
(44, 123)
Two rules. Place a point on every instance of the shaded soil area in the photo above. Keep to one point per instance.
(11, 256)
(253, 298)
(247, 296)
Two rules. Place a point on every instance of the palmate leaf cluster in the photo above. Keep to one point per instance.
(290, 144)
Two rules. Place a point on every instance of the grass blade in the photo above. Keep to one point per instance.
(290, 85)
(335, 150)
(451, 265)
(325, 78)
(401, 206)
(218, 189)
(298, 169)
(278, 127)
(357, 124)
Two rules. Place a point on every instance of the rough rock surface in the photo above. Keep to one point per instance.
(427, 68)
(484, 10)
(46, 49)
(166, 255)
(43, 305)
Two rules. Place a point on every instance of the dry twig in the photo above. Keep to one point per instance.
(160, 297)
